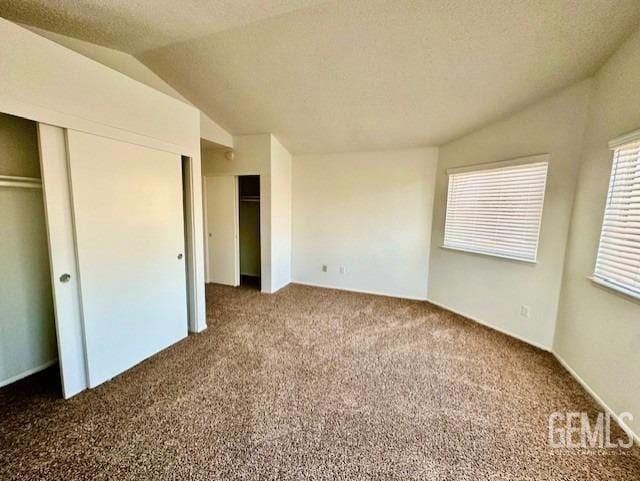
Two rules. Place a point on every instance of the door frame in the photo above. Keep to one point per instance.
(236, 227)
(194, 229)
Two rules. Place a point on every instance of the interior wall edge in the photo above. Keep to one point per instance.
(281, 177)
(597, 332)
(132, 67)
(556, 125)
(591, 391)
(279, 288)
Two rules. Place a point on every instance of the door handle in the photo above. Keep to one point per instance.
(179, 256)
(65, 277)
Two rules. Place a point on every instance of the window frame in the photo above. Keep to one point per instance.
(520, 161)
(617, 288)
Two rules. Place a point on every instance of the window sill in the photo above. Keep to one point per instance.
(488, 254)
(615, 289)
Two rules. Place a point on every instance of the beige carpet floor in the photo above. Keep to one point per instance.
(311, 384)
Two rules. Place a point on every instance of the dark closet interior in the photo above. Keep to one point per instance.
(249, 227)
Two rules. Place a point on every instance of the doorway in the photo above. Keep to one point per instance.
(233, 230)
(249, 230)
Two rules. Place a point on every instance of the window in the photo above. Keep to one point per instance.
(618, 261)
(497, 210)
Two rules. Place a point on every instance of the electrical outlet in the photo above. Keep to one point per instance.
(342, 270)
(324, 268)
(525, 311)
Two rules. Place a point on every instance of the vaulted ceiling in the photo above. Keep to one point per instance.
(352, 74)
(136, 25)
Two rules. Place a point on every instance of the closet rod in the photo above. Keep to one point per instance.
(20, 182)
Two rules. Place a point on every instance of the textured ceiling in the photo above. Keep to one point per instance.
(136, 25)
(370, 74)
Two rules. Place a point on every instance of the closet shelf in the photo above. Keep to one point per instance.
(250, 198)
(20, 182)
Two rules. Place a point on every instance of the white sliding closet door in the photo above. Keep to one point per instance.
(128, 211)
(222, 227)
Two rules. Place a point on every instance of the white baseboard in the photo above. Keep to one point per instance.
(490, 326)
(273, 291)
(564, 364)
(199, 329)
(412, 298)
(597, 398)
(28, 372)
(359, 291)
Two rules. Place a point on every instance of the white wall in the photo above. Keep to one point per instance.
(598, 333)
(492, 290)
(47, 82)
(280, 215)
(133, 68)
(369, 212)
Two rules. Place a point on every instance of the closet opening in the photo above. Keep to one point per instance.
(27, 323)
(249, 230)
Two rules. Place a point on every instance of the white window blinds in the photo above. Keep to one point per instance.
(497, 211)
(618, 261)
